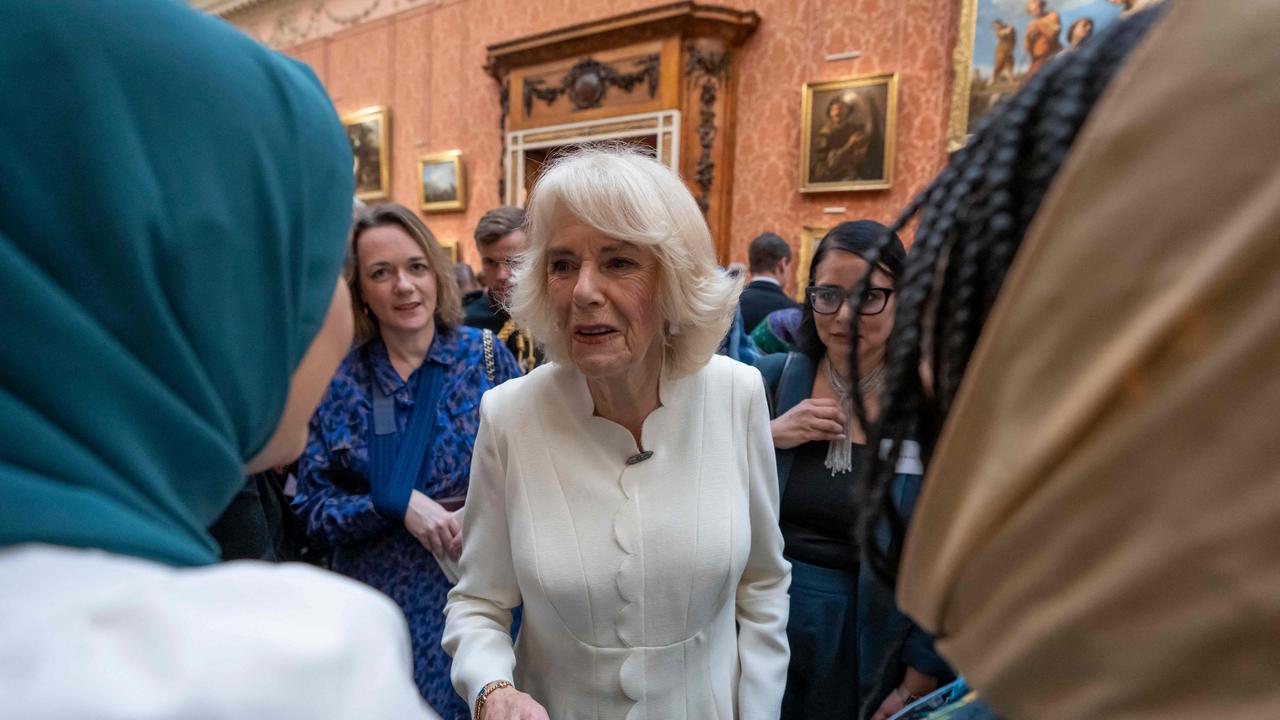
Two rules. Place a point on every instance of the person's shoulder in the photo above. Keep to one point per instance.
(468, 338)
(794, 364)
(743, 376)
(526, 391)
(267, 607)
(347, 385)
(771, 365)
(478, 313)
(734, 387)
(352, 366)
(474, 300)
(785, 302)
(245, 615)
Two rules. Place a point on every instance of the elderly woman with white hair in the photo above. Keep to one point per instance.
(626, 494)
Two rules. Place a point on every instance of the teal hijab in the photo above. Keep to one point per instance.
(173, 203)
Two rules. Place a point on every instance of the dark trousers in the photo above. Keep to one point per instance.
(822, 680)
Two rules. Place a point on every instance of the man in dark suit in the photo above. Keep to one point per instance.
(769, 259)
(500, 239)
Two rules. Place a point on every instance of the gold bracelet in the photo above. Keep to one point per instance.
(486, 691)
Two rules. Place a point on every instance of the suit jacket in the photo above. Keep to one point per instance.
(651, 590)
(759, 299)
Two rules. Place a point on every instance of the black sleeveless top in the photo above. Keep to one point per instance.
(819, 509)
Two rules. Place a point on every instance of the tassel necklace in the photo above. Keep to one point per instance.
(840, 452)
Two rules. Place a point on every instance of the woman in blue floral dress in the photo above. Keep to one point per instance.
(380, 482)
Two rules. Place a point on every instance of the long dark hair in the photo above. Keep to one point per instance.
(972, 218)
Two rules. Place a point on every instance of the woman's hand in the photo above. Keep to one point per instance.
(915, 684)
(436, 528)
(812, 419)
(891, 706)
(509, 703)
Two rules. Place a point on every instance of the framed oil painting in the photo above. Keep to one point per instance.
(370, 147)
(847, 134)
(810, 236)
(441, 184)
(1001, 43)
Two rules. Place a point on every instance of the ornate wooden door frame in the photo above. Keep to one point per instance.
(676, 56)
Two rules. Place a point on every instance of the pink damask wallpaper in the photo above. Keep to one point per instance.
(424, 59)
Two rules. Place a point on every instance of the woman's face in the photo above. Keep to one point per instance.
(605, 296)
(396, 281)
(842, 270)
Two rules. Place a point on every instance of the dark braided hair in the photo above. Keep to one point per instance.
(972, 218)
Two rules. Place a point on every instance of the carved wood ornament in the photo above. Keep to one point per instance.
(504, 104)
(673, 57)
(707, 71)
(587, 83)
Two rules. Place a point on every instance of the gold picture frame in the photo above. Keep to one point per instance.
(810, 236)
(961, 73)
(442, 184)
(856, 150)
(369, 133)
(980, 82)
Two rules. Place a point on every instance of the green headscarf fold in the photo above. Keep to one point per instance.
(173, 203)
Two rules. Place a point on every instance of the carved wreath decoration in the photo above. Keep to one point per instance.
(587, 83)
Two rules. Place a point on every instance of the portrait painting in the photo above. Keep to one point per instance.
(368, 134)
(847, 134)
(441, 186)
(1003, 43)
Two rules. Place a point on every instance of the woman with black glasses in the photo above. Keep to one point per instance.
(849, 645)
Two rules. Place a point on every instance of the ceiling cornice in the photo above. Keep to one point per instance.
(224, 8)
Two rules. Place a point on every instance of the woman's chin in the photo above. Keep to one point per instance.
(408, 325)
(599, 363)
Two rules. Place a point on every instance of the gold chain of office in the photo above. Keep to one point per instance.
(525, 355)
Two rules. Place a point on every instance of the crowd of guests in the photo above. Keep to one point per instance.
(604, 479)
(380, 489)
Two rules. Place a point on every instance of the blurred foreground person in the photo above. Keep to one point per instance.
(173, 199)
(626, 492)
(387, 464)
(1096, 537)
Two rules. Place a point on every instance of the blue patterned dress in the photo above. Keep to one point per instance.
(333, 488)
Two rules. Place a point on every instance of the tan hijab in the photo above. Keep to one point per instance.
(1099, 536)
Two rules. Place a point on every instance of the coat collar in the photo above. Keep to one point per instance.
(766, 284)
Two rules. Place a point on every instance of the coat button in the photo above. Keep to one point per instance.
(640, 457)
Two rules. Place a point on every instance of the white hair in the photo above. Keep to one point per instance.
(635, 199)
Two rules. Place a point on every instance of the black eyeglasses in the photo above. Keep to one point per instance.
(827, 299)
